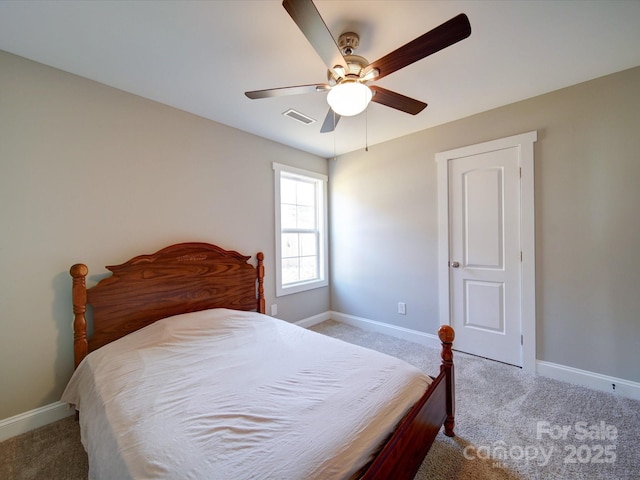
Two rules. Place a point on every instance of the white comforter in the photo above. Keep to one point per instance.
(231, 395)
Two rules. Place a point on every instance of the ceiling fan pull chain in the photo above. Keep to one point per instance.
(366, 130)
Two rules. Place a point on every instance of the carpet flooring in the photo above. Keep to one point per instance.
(510, 425)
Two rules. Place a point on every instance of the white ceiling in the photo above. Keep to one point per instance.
(201, 56)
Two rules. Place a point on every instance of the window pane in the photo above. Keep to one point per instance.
(306, 194)
(306, 217)
(308, 244)
(288, 216)
(288, 188)
(290, 246)
(290, 270)
(308, 268)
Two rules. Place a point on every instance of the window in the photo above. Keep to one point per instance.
(301, 229)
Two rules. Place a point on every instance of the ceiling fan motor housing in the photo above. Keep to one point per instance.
(348, 43)
(355, 64)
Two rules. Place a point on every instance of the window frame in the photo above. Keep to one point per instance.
(320, 181)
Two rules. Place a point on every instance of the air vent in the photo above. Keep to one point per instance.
(300, 117)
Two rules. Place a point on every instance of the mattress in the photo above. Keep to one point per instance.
(225, 394)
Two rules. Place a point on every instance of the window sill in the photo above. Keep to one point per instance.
(300, 287)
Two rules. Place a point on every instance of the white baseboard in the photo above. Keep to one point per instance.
(391, 330)
(597, 381)
(38, 417)
(316, 319)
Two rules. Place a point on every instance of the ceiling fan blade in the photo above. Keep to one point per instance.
(305, 14)
(330, 122)
(396, 100)
(282, 91)
(450, 32)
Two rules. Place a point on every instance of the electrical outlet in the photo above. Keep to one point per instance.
(402, 308)
(274, 309)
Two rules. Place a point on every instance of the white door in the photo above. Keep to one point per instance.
(484, 289)
(486, 236)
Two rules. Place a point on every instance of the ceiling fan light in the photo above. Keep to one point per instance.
(349, 98)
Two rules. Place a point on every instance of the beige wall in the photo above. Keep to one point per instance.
(95, 175)
(587, 188)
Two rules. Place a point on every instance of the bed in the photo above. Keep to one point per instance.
(242, 395)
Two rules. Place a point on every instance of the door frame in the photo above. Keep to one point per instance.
(524, 142)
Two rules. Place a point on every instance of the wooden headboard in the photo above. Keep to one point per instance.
(181, 278)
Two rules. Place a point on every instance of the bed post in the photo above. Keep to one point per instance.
(261, 304)
(79, 294)
(446, 334)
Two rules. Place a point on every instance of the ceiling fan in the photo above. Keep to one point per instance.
(348, 74)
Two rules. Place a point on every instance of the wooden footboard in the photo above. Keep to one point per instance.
(403, 454)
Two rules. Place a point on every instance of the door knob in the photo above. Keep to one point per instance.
(455, 264)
